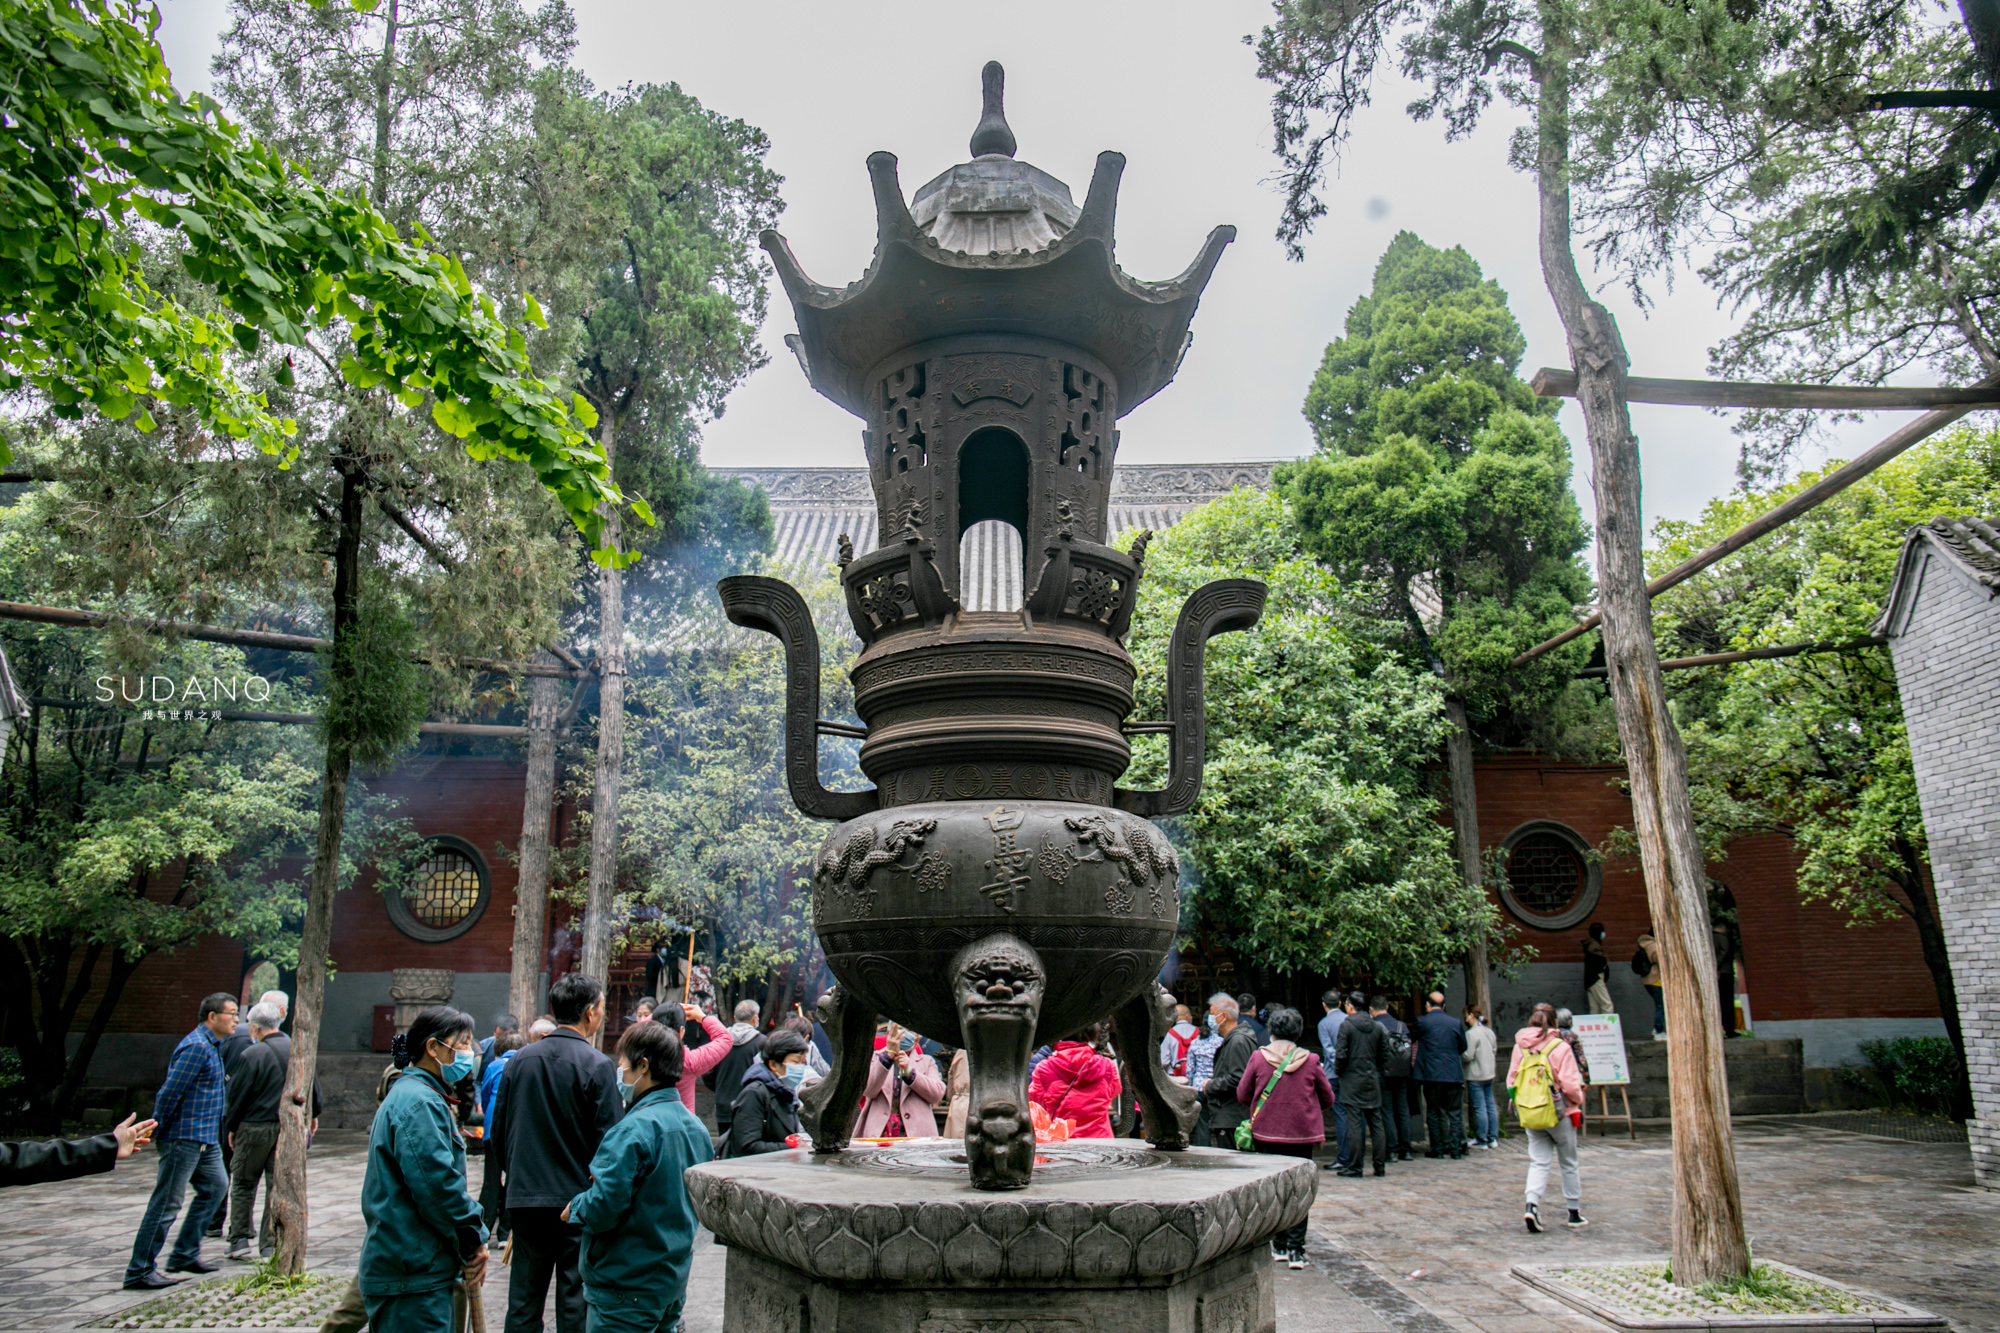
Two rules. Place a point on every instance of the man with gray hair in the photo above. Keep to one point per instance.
(1218, 1095)
(250, 1125)
(726, 1079)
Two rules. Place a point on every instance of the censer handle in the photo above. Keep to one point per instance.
(1214, 608)
(775, 607)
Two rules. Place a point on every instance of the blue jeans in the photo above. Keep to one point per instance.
(181, 1162)
(1485, 1115)
(1659, 1009)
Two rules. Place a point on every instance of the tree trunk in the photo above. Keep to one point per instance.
(1930, 939)
(288, 1185)
(610, 749)
(1465, 828)
(531, 887)
(1708, 1238)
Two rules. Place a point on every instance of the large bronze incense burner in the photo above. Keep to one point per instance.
(997, 882)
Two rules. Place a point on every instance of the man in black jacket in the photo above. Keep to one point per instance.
(1360, 1051)
(66, 1159)
(1239, 1043)
(1440, 1068)
(555, 1102)
(767, 1108)
(250, 1125)
(726, 1079)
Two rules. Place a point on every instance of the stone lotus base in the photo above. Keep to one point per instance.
(1112, 1237)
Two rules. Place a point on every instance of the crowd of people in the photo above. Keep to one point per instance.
(585, 1152)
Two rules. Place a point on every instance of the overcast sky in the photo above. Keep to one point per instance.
(1172, 86)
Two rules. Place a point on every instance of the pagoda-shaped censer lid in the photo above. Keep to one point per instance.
(993, 245)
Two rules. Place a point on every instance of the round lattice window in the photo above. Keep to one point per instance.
(1551, 883)
(444, 893)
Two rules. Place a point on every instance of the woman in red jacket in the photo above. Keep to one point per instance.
(1078, 1085)
(1291, 1121)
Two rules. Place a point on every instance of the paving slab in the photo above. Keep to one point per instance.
(1903, 1219)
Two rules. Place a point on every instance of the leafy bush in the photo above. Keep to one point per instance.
(1921, 1073)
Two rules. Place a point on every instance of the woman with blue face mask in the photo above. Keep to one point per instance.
(637, 1221)
(767, 1107)
(424, 1231)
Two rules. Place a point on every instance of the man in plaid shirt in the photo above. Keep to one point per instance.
(189, 1107)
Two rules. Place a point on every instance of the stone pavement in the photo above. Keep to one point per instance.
(1426, 1249)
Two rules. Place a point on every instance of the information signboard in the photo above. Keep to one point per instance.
(1604, 1046)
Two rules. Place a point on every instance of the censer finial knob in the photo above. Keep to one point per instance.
(992, 136)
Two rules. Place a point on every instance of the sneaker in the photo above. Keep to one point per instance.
(1659, 1036)
(1577, 1221)
(1296, 1259)
(1278, 1251)
(1532, 1215)
(241, 1253)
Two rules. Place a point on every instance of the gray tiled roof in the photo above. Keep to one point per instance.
(1969, 545)
(812, 507)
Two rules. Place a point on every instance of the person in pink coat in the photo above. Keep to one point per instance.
(1292, 1121)
(1548, 1146)
(698, 1060)
(904, 1088)
(1078, 1084)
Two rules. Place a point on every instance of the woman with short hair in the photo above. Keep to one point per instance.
(638, 1223)
(1289, 1096)
(767, 1110)
(423, 1229)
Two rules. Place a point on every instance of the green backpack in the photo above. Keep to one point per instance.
(1535, 1090)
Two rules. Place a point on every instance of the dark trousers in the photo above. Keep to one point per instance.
(1339, 1130)
(1359, 1125)
(545, 1247)
(1396, 1114)
(181, 1163)
(492, 1204)
(1292, 1237)
(1659, 1009)
(228, 1171)
(255, 1160)
(1444, 1117)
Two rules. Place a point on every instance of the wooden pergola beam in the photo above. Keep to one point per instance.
(1550, 382)
(1811, 498)
(1749, 655)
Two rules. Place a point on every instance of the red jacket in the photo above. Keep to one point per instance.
(1078, 1085)
(1296, 1110)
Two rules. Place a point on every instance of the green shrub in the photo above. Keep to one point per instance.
(1920, 1073)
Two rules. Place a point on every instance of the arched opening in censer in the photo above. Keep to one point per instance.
(992, 519)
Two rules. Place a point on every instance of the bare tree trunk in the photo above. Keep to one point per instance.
(531, 886)
(1708, 1238)
(288, 1185)
(1465, 828)
(610, 750)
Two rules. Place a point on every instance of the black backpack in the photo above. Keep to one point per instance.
(1641, 964)
(1399, 1059)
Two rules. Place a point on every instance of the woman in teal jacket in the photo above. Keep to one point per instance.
(424, 1231)
(638, 1223)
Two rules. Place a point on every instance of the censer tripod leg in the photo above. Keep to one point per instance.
(998, 981)
(827, 1108)
(1139, 1026)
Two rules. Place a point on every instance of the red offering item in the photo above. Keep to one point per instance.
(1048, 1130)
(791, 1140)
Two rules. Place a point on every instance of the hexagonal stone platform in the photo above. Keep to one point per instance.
(1112, 1237)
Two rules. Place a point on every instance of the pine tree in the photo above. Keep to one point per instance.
(1440, 474)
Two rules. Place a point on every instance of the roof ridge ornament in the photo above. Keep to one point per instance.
(992, 136)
